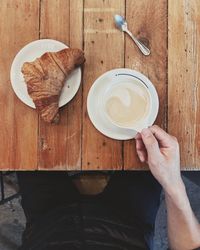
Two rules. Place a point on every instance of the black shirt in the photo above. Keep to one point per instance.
(88, 226)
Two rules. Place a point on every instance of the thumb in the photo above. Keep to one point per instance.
(151, 144)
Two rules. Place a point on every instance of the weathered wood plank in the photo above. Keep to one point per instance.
(148, 21)
(74, 112)
(60, 145)
(18, 124)
(104, 50)
(184, 79)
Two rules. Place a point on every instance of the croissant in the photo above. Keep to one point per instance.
(45, 79)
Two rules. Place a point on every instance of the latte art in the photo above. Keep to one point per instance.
(127, 104)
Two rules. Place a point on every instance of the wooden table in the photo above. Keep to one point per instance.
(172, 31)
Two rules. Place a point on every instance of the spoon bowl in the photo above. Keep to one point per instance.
(119, 21)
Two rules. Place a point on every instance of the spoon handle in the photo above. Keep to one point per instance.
(140, 45)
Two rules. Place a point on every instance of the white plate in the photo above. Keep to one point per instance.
(28, 54)
(94, 101)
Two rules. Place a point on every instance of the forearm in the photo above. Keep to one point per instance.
(183, 227)
(161, 151)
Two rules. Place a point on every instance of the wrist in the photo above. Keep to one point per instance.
(175, 190)
(176, 196)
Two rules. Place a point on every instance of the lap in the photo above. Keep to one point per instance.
(135, 194)
(193, 176)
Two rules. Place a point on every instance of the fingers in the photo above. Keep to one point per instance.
(141, 150)
(151, 144)
(164, 139)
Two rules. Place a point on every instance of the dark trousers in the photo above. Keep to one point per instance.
(135, 195)
(193, 176)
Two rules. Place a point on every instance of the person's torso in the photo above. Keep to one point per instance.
(88, 226)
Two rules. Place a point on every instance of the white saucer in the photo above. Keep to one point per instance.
(28, 54)
(94, 100)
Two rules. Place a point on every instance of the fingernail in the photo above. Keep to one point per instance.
(137, 135)
(145, 132)
(141, 157)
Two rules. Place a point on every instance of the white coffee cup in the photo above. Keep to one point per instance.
(127, 103)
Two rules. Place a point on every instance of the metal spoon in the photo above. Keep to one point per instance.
(122, 25)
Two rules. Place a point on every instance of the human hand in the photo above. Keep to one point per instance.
(161, 151)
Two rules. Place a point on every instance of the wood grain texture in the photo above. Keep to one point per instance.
(184, 79)
(27, 143)
(19, 21)
(74, 112)
(104, 50)
(148, 21)
(60, 145)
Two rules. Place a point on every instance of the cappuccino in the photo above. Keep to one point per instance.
(127, 103)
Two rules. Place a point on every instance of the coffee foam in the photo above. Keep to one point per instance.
(127, 103)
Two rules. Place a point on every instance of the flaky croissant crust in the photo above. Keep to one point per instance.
(45, 79)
